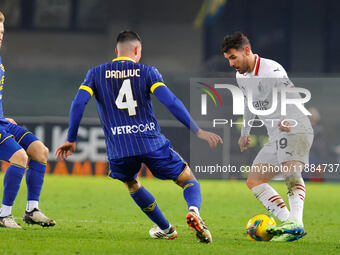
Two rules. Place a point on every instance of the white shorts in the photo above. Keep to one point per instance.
(286, 147)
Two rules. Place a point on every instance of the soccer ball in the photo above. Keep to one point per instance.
(256, 227)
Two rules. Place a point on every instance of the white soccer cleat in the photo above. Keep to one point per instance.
(38, 217)
(194, 221)
(157, 233)
(8, 222)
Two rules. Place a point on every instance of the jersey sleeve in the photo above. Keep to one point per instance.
(176, 107)
(280, 76)
(76, 113)
(89, 82)
(154, 79)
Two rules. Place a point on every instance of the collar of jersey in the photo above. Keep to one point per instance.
(256, 63)
(123, 58)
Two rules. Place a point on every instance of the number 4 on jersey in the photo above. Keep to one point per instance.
(129, 102)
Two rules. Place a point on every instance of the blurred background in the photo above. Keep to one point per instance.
(50, 44)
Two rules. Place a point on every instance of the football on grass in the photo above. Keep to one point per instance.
(256, 227)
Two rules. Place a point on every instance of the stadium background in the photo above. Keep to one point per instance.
(50, 45)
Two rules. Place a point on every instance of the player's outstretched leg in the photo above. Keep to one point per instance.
(148, 205)
(192, 195)
(12, 180)
(257, 182)
(38, 153)
(292, 229)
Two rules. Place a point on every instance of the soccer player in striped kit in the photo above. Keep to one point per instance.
(22, 150)
(288, 147)
(122, 90)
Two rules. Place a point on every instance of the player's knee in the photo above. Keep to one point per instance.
(185, 176)
(39, 152)
(44, 153)
(253, 182)
(19, 158)
(133, 186)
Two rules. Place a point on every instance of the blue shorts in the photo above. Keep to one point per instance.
(13, 138)
(8, 146)
(164, 163)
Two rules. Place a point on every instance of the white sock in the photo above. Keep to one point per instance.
(296, 195)
(271, 200)
(5, 210)
(31, 205)
(195, 209)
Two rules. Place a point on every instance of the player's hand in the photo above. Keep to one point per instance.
(11, 120)
(65, 150)
(244, 142)
(284, 126)
(210, 137)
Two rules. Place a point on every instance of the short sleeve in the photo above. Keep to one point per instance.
(89, 81)
(281, 78)
(154, 79)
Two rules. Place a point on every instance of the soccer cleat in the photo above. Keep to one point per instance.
(8, 222)
(287, 237)
(287, 231)
(37, 217)
(157, 233)
(202, 232)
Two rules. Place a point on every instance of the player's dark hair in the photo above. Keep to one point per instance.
(2, 17)
(236, 41)
(128, 35)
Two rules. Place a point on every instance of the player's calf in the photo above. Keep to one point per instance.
(147, 203)
(271, 200)
(12, 181)
(35, 174)
(296, 190)
(191, 189)
(192, 195)
(257, 182)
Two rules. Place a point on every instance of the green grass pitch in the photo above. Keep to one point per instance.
(97, 216)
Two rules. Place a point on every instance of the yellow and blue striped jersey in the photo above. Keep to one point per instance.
(2, 81)
(122, 90)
